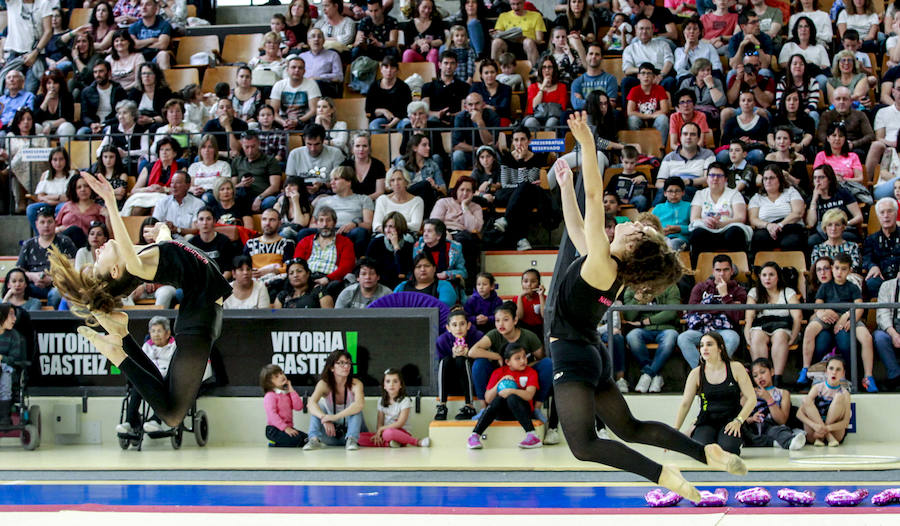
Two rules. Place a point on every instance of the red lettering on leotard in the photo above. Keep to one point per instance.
(193, 251)
(604, 300)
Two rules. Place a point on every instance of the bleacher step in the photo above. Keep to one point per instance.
(496, 261)
(510, 283)
(453, 433)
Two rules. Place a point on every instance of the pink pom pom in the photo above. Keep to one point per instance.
(716, 498)
(888, 496)
(844, 497)
(754, 496)
(796, 498)
(460, 342)
(658, 499)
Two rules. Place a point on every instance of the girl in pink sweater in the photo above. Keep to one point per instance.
(280, 401)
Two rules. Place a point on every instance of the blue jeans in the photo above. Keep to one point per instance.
(888, 354)
(617, 349)
(639, 338)
(661, 123)
(376, 125)
(872, 285)
(52, 295)
(689, 342)
(355, 424)
(640, 202)
(460, 160)
(884, 188)
(476, 36)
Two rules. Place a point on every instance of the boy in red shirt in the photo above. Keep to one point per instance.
(648, 104)
(719, 26)
(510, 396)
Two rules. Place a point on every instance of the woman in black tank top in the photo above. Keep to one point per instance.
(720, 383)
(583, 384)
(96, 294)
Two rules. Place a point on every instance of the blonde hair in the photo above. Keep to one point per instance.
(86, 291)
(271, 36)
(458, 29)
(835, 65)
(835, 215)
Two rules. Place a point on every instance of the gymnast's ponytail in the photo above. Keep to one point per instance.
(86, 291)
(651, 264)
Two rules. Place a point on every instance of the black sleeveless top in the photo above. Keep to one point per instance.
(188, 268)
(580, 307)
(719, 403)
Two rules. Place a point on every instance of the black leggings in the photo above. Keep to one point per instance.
(454, 377)
(171, 397)
(715, 434)
(502, 409)
(579, 402)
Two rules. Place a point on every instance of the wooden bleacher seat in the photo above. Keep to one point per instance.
(4, 19)
(241, 48)
(386, 146)
(188, 46)
(874, 225)
(353, 112)
(77, 111)
(456, 175)
(703, 270)
(787, 258)
(78, 17)
(213, 76)
(523, 67)
(425, 69)
(649, 140)
(81, 154)
(191, 10)
(181, 77)
(613, 66)
(295, 140)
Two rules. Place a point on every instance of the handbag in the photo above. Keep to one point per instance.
(772, 323)
(545, 110)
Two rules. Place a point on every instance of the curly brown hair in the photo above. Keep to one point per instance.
(652, 264)
(85, 291)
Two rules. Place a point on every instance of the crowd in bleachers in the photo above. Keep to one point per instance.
(360, 148)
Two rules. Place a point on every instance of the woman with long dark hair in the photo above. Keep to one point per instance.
(582, 376)
(151, 95)
(336, 405)
(80, 211)
(102, 26)
(775, 328)
(828, 194)
(800, 78)
(426, 180)
(300, 291)
(424, 279)
(96, 294)
(124, 60)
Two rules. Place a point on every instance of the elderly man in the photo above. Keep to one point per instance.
(466, 141)
(152, 34)
(323, 65)
(887, 124)
(642, 49)
(178, 210)
(294, 98)
(881, 250)
(255, 174)
(859, 131)
(528, 41)
(14, 98)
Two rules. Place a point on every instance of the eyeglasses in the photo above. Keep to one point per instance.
(343, 363)
(846, 60)
(684, 102)
(97, 223)
(715, 175)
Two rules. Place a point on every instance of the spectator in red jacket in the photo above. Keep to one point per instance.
(330, 255)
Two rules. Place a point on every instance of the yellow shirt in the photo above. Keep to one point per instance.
(530, 24)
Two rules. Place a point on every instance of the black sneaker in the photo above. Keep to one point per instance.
(441, 413)
(466, 413)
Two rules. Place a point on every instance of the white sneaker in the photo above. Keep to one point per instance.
(604, 434)
(501, 224)
(152, 426)
(622, 384)
(656, 384)
(523, 244)
(425, 442)
(124, 429)
(351, 444)
(313, 443)
(798, 441)
(394, 443)
(551, 437)
(643, 383)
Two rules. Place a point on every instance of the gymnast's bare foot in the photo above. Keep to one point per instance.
(672, 479)
(108, 345)
(115, 323)
(718, 458)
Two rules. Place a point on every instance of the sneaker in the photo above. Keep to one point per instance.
(656, 384)
(312, 444)
(474, 441)
(643, 383)
(441, 413)
(531, 441)
(801, 378)
(477, 415)
(551, 437)
(798, 441)
(540, 416)
(392, 443)
(869, 384)
(501, 224)
(351, 444)
(152, 426)
(776, 445)
(622, 384)
(425, 442)
(833, 442)
(124, 429)
(602, 433)
(466, 413)
(818, 443)
(523, 244)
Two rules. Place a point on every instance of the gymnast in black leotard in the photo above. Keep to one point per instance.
(582, 377)
(96, 293)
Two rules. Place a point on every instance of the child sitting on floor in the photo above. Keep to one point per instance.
(393, 416)
(767, 425)
(280, 401)
(825, 412)
(510, 395)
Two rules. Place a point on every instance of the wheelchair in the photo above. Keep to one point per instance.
(25, 419)
(196, 422)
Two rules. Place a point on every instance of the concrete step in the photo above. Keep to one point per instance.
(510, 283)
(454, 433)
(515, 261)
(15, 229)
